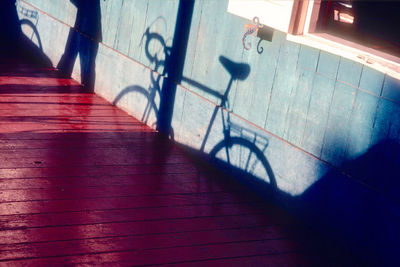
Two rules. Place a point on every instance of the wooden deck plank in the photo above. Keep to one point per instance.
(32, 194)
(104, 244)
(145, 179)
(145, 227)
(123, 202)
(116, 136)
(73, 215)
(172, 255)
(61, 171)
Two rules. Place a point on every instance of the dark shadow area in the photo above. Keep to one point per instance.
(10, 29)
(83, 40)
(369, 23)
(355, 206)
(15, 47)
(361, 203)
(379, 168)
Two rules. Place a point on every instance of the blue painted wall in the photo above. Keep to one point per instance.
(328, 127)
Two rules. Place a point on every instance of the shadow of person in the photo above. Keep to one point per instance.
(84, 40)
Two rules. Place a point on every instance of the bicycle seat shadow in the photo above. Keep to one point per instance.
(238, 71)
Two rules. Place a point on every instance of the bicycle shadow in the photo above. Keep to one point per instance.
(241, 152)
(251, 164)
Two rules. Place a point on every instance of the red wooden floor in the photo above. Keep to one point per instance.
(81, 182)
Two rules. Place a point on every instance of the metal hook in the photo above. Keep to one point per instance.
(251, 30)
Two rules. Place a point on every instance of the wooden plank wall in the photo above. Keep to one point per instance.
(321, 114)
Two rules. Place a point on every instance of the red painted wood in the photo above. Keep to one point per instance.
(109, 203)
(145, 227)
(81, 182)
(145, 179)
(172, 255)
(74, 192)
(70, 143)
(98, 170)
(71, 216)
(139, 242)
(116, 136)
